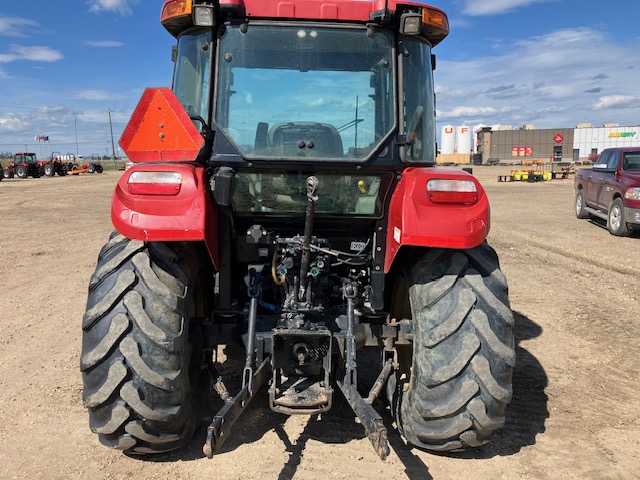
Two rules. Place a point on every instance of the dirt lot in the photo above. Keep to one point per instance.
(576, 385)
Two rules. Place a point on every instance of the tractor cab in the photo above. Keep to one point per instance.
(309, 90)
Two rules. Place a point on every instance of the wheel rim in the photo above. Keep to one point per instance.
(615, 218)
(579, 204)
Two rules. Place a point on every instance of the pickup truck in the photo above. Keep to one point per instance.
(611, 190)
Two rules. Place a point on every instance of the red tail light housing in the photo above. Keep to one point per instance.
(154, 183)
(452, 192)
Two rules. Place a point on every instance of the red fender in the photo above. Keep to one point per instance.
(416, 221)
(186, 215)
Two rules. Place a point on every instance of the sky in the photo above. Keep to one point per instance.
(67, 66)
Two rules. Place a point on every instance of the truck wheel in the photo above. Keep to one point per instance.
(142, 376)
(49, 170)
(581, 204)
(21, 171)
(454, 383)
(616, 224)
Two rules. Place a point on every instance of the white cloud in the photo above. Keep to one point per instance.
(103, 43)
(123, 7)
(549, 80)
(94, 95)
(33, 54)
(462, 111)
(493, 7)
(16, 26)
(616, 101)
(12, 123)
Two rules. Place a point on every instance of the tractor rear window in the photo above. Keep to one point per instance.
(295, 92)
(284, 194)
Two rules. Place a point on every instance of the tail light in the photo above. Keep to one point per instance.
(154, 183)
(453, 192)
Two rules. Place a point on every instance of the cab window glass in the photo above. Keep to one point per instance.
(603, 160)
(191, 82)
(631, 161)
(418, 102)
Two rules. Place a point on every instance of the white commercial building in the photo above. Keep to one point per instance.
(592, 140)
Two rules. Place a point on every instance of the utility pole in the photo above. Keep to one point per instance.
(75, 122)
(113, 145)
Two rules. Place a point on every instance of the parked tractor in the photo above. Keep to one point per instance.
(94, 166)
(24, 164)
(285, 200)
(56, 165)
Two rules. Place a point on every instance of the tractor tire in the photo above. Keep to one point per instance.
(21, 171)
(91, 168)
(99, 169)
(8, 173)
(615, 219)
(143, 382)
(49, 171)
(581, 205)
(454, 383)
(62, 171)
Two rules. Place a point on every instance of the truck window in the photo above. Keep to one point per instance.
(603, 160)
(631, 161)
(612, 163)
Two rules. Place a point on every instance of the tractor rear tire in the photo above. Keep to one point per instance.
(143, 382)
(22, 172)
(99, 168)
(453, 385)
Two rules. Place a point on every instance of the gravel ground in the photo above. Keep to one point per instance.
(574, 415)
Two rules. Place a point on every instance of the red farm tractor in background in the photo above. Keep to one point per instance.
(24, 164)
(57, 164)
(285, 200)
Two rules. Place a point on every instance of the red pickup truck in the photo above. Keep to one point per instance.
(611, 190)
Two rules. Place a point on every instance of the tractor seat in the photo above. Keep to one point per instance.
(305, 139)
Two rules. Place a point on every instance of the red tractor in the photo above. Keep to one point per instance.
(24, 164)
(56, 165)
(285, 200)
(94, 166)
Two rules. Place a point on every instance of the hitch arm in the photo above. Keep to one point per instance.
(369, 417)
(220, 427)
(223, 421)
